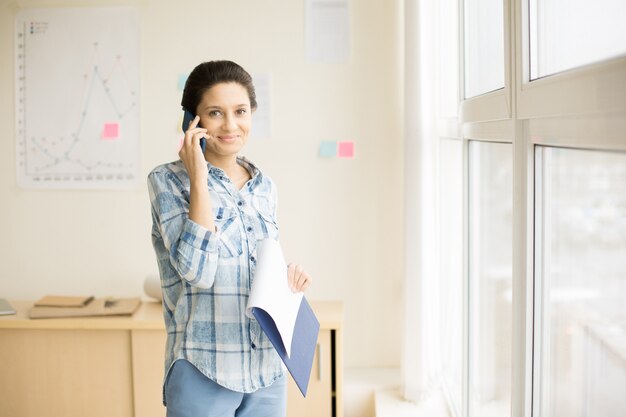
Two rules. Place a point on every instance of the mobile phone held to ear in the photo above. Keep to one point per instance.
(187, 119)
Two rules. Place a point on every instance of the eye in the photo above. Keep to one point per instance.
(215, 113)
(241, 112)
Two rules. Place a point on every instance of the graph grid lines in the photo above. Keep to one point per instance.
(77, 80)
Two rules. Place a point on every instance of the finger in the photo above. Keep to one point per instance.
(291, 270)
(297, 278)
(192, 140)
(306, 284)
(303, 278)
(197, 137)
(192, 132)
(194, 123)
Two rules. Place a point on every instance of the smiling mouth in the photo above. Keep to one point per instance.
(228, 138)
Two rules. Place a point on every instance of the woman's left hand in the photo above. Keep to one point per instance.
(297, 278)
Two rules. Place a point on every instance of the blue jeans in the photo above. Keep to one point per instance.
(190, 393)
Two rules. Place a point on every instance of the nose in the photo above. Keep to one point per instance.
(229, 122)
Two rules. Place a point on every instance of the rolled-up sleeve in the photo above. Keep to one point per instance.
(192, 249)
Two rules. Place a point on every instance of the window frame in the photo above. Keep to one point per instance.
(494, 105)
(579, 108)
(541, 296)
(590, 89)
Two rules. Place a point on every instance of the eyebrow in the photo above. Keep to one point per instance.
(219, 108)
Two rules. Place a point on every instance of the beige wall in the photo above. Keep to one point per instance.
(342, 219)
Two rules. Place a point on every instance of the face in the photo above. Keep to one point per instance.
(225, 112)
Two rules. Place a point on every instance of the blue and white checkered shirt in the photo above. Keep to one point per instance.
(206, 276)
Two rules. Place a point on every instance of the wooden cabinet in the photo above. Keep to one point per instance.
(319, 393)
(113, 366)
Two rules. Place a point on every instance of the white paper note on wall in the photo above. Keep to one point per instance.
(262, 117)
(327, 24)
(77, 97)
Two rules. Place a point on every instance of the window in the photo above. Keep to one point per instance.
(581, 240)
(566, 34)
(536, 158)
(490, 228)
(484, 46)
(448, 53)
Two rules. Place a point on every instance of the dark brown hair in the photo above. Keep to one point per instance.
(207, 74)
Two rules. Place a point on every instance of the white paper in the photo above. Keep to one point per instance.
(262, 117)
(270, 290)
(327, 24)
(77, 98)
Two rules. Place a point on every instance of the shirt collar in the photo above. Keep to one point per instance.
(255, 173)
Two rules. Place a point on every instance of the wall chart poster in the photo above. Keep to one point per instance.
(77, 98)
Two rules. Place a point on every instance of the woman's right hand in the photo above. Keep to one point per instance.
(191, 152)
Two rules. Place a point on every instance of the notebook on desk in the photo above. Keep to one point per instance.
(63, 301)
(97, 307)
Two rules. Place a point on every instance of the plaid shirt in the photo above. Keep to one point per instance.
(206, 276)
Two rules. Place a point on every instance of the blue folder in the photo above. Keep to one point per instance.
(303, 344)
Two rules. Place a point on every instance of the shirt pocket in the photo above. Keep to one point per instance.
(267, 226)
(228, 223)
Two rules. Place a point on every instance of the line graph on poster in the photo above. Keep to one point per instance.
(77, 112)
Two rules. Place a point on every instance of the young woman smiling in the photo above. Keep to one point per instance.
(209, 210)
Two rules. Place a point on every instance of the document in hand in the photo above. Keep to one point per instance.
(285, 317)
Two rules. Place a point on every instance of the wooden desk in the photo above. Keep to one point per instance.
(113, 366)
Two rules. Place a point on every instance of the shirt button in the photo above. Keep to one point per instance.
(253, 346)
(252, 259)
(240, 203)
(219, 217)
(249, 229)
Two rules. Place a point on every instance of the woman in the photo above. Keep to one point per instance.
(209, 210)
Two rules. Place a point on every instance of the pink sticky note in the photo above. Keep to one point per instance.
(111, 131)
(345, 149)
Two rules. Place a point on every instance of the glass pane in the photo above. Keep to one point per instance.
(448, 58)
(451, 267)
(490, 279)
(484, 46)
(566, 34)
(583, 322)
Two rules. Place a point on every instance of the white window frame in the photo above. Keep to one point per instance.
(494, 105)
(581, 108)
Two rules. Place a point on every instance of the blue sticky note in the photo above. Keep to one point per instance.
(182, 79)
(328, 149)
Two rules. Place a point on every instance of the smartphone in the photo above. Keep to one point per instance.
(187, 119)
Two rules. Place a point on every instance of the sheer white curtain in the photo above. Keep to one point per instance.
(421, 360)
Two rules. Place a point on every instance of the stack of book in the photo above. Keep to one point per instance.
(52, 306)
